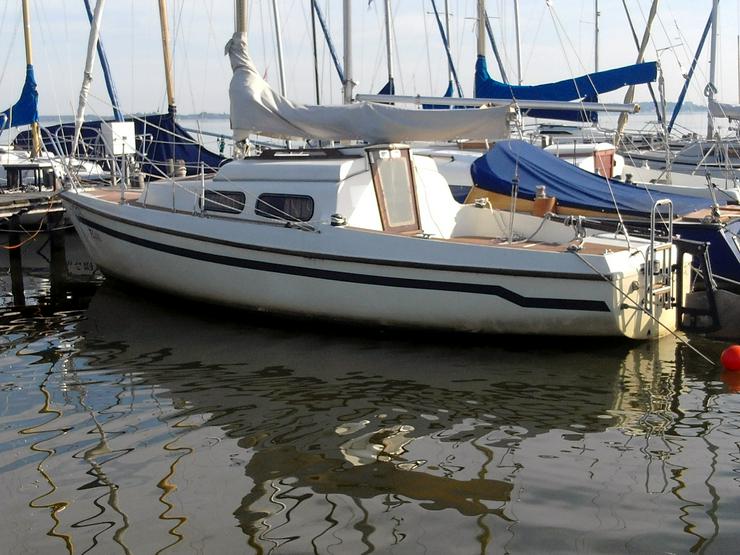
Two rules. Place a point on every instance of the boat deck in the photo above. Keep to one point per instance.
(588, 247)
(727, 213)
(113, 194)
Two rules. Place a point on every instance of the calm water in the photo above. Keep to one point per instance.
(133, 425)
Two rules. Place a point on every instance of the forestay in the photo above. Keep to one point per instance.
(257, 109)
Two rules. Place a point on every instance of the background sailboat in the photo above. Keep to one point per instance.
(164, 147)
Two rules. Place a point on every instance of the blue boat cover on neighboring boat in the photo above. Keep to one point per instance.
(159, 138)
(25, 111)
(448, 94)
(585, 88)
(570, 185)
(388, 88)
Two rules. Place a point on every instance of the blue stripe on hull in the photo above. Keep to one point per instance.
(349, 277)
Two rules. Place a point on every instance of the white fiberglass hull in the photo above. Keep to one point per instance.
(368, 277)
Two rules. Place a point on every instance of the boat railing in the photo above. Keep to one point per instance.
(659, 263)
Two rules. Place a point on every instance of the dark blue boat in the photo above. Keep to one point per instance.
(578, 189)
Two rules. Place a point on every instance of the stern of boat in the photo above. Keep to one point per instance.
(648, 298)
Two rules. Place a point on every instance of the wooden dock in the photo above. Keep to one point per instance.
(29, 205)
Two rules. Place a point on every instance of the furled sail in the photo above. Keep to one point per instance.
(585, 88)
(25, 111)
(256, 108)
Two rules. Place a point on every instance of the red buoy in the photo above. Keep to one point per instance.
(730, 358)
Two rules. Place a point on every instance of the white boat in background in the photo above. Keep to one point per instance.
(20, 170)
(30, 179)
(370, 233)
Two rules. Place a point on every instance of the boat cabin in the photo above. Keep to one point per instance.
(383, 188)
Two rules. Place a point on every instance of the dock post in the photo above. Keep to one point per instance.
(16, 264)
(58, 261)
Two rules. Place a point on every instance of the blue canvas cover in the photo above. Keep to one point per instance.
(448, 94)
(158, 138)
(585, 88)
(570, 185)
(25, 111)
(388, 88)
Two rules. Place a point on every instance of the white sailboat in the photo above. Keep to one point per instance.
(30, 178)
(370, 233)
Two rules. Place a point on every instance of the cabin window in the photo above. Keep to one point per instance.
(227, 202)
(395, 189)
(297, 208)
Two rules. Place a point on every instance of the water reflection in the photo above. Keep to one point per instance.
(152, 429)
(388, 430)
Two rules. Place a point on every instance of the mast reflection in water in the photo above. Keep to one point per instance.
(131, 425)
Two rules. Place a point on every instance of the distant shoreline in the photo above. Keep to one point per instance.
(645, 107)
(71, 118)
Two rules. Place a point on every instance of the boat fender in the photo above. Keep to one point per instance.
(542, 203)
(730, 358)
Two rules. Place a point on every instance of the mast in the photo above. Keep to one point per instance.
(240, 16)
(496, 54)
(35, 135)
(518, 44)
(447, 32)
(630, 94)
(108, 77)
(658, 109)
(329, 42)
(348, 82)
(451, 72)
(279, 40)
(315, 54)
(389, 45)
(166, 54)
(711, 88)
(596, 35)
(481, 44)
(87, 75)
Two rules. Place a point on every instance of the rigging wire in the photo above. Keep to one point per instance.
(13, 37)
(535, 36)
(643, 309)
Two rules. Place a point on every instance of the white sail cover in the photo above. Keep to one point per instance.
(257, 109)
(722, 110)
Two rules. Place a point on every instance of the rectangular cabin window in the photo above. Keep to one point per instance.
(227, 202)
(295, 208)
(395, 188)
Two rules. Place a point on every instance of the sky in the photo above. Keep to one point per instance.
(557, 42)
